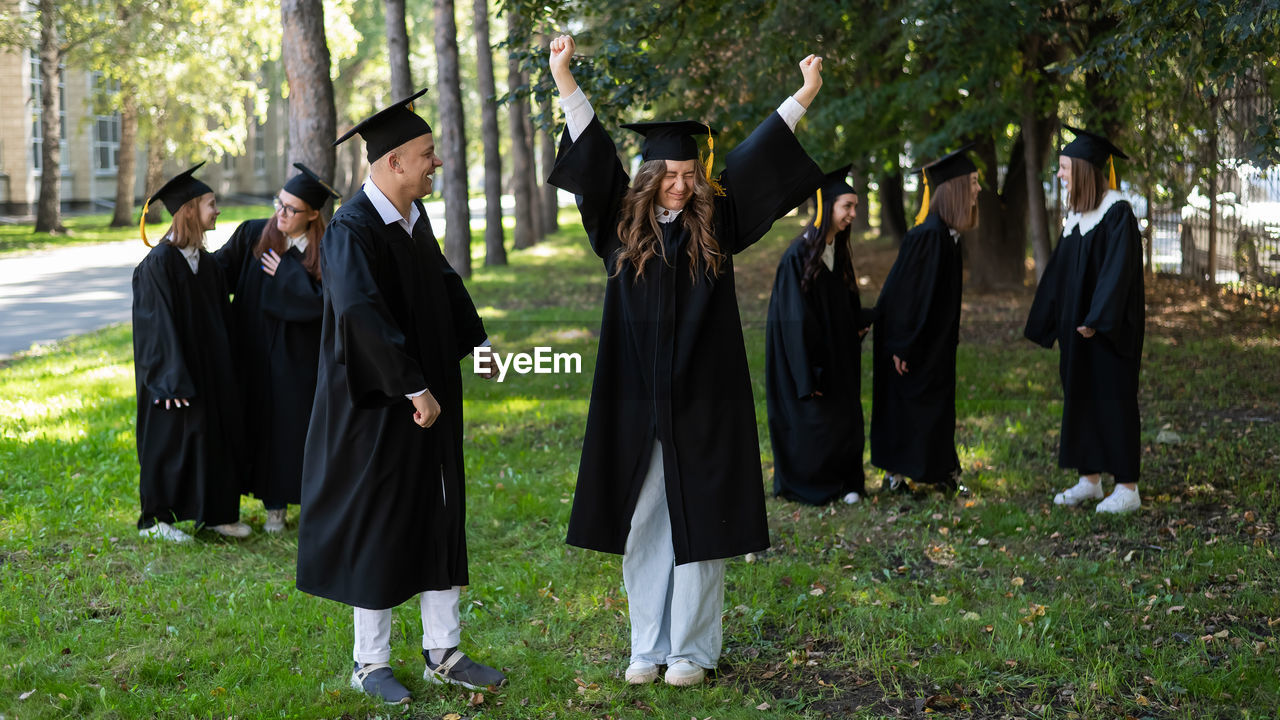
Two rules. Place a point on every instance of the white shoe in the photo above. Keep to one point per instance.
(683, 673)
(275, 521)
(165, 531)
(1081, 491)
(641, 672)
(851, 498)
(1121, 500)
(235, 530)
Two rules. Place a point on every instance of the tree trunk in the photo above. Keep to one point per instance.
(1037, 222)
(452, 145)
(495, 251)
(997, 248)
(526, 232)
(398, 50)
(155, 172)
(1213, 188)
(313, 119)
(49, 204)
(1150, 233)
(893, 218)
(861, 221)
(550, 198)
(126, 157)
(535, 188)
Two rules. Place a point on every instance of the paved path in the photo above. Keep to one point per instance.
(51, 294)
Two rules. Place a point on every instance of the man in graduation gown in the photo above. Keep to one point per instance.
(813, 361)
(276, 308)
(1091, 302)
(190, 448)
(913, 403)
(670, 473)
(383, 497)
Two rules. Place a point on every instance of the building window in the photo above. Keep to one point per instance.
(259, 148)
(106, 128)
(37, 134)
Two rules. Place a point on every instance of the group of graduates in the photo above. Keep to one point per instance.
(320, 364)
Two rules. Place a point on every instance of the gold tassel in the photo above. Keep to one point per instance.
(1112, 165)
(924, 202)
(716, 187)
(817, 219)
(142, 226)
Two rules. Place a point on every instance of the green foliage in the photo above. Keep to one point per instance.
(1000, 605)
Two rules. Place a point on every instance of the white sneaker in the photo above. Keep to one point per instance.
(235, 530)
(275, 521)
(641, 672)
(165, 531)
(1081, 491)
(1121, 500)
(851, 498)
(683, 673)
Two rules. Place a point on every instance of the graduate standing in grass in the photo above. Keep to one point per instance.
(813, 357)
(383, 496)
(190, 446)
(272, 267)
(913, 401)
(670, 474)
(1091, 302)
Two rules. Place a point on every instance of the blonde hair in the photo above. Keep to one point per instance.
(638, 228)
(1088, 184)
(186, 230)
(953, 200)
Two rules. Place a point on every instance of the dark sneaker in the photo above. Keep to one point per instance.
(377, 680)
(458, 669)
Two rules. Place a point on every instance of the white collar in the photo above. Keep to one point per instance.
(388, 211)
(664, 215)
(299, 242)
(955, 234)
(1089, 220)
(829, 255)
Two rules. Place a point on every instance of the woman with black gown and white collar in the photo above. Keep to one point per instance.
(1090, 301)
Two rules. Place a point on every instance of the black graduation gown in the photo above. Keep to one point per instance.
(276, 320)
(812, 345)
(671, 361)
(382, 499)
(913, 416)
(1094, 279)
(191, 458)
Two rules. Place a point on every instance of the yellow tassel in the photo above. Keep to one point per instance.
(1112, 165)
(142, 226)
(716, 187)
(817, 219)
(924, 201)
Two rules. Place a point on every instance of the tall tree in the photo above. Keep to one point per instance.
(312, 117)
(452, 141)
(398, 49)
(494, 236)
(526, 231)
(547, 142)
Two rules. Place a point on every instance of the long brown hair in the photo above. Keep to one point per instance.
(815, 241)
(953, 200)
(1088, 184)
(638, 228)
(186, 229)
(272, 239)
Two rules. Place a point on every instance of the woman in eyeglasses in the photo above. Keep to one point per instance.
(273, 268)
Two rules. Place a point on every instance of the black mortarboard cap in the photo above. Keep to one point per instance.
(389, 128)
(179, 189)
(1093, 148)
(836, 182)
(951, 165)
(310, 188)
(670, 140)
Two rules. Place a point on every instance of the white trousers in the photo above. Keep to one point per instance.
(675, 609)
(441, 627)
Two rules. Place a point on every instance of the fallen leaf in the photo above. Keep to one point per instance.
(983, 541)
(452, 716)
(27, 694)
(1128, 556)
(1174, 609)
(1142, 700)
(763, 706)
(971, 615)
(476, 699)
(939, 599)
(218, 691)
(1017, 582)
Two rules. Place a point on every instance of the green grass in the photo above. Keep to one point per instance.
(995, 606)
(90, 229)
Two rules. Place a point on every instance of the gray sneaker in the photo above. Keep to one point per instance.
(376, 680)
(458, 669)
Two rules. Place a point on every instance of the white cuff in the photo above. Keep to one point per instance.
(577, 113)
(411, 396)
(791, 111)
